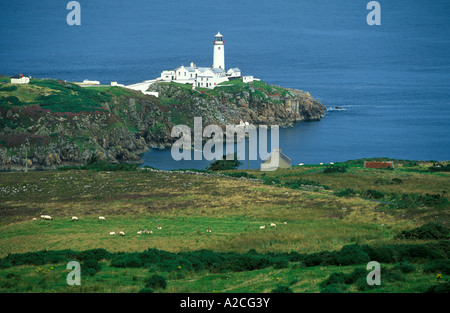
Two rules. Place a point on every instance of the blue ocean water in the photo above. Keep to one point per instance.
(392, 80)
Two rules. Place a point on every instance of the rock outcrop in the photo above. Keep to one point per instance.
(120, 124)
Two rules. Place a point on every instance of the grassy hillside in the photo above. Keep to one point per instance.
(306, 204)
(49, 122)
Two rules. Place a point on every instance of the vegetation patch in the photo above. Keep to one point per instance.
(428, 231)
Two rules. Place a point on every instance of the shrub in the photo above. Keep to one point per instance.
(282, 263)
(397, 181)
(404, 267)
(438, 266)
(126, 261)
(390, 276)
(89, 272)
(13, 100)
(94, 254)
(240, 174)
(146, 290)
(335, 169)
(156, 282)
(91, 264)
(439, 288)
(271, 181)
(224, 164)
(241, 263)
(304, 183)
(8, 88)
(385, 254)
(439, 167)
(406, 201)
(315, 259)
(428, 231)
(338, 278)
(347, 192)
(351, 254)
(373, 194)
(282, 289)
(362, 284)
(356, 274)
(334, 288)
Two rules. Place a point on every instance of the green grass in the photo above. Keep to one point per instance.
(131, 280)
(185, 205)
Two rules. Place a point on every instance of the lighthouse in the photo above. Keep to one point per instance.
(219, 52)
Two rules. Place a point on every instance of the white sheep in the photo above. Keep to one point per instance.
(47, 217)
(273, 225)
(112, 233)
(148, 231)
(159, 227)
(208, 230)
(331, 163)
(101, 218)
(262, 227)
(34, 219)
(320, 163)
(140, 232)
(285, 223)
(121, 233)
(74, 218)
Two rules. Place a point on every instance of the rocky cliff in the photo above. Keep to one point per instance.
(50, 123)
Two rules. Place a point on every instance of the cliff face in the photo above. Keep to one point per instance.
(50, 123)
(256, 103)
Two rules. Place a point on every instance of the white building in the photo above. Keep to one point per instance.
(20, 79)
(204, 77)
(234, 72)
(90, 82)
(275, 160)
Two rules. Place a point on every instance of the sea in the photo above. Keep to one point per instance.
(391, 81)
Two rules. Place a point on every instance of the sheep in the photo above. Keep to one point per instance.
(148, 231)
(331, 163)
(273, 225)
(74, 218)
(208, 230)
(159, 227)
(112, 233)
(47, 217)
(139, 232)
(121, 233)
(320, 163)
(301, 164)
(101, 218)
(34, 219)
(262, 227)
(285, 223)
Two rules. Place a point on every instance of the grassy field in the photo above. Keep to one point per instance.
(309, 220)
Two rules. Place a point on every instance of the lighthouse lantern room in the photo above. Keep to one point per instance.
(219, 52)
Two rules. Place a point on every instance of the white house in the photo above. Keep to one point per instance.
(234, 72)
(247, 79)
(20, 79)
(275, 160)
(204, 77)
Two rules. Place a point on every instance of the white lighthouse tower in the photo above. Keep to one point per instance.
(219, 52)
